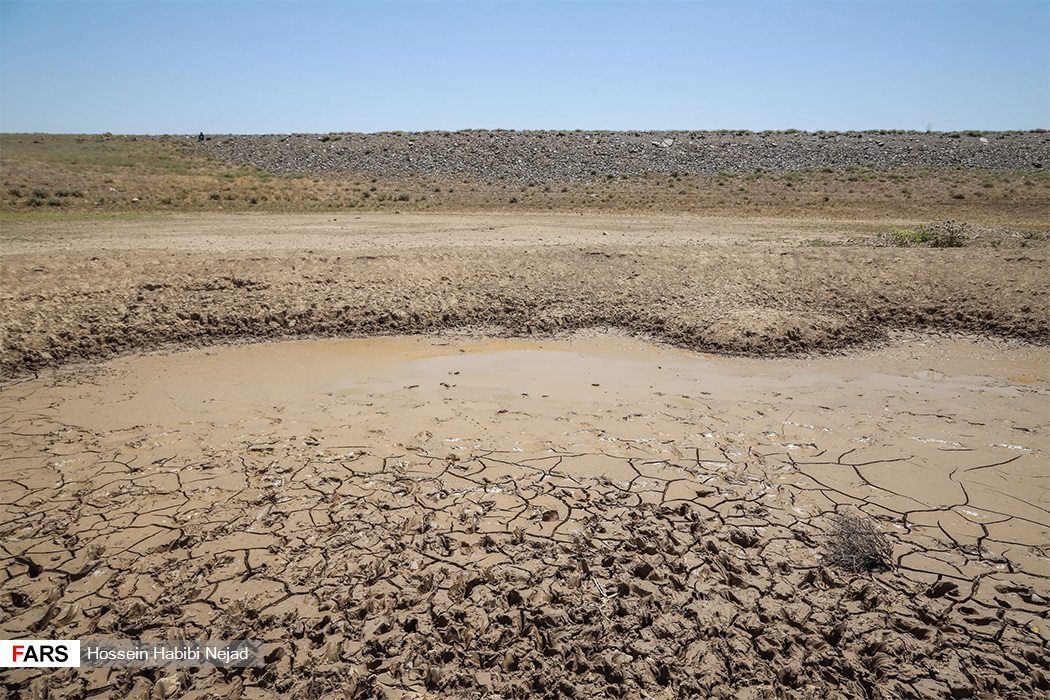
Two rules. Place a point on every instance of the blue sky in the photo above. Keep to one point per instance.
(153, 67)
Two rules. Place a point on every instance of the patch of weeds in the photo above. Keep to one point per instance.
(403, 197)
(856, 545)
(943, 235)
(40, 193)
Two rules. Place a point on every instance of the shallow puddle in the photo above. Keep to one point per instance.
(906, 428)
(272, 451)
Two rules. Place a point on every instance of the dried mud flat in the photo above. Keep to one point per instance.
(589, 516)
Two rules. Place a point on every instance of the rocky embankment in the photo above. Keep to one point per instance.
(582, 155)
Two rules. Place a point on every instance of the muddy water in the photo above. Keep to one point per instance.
(152, 462)
(910, 429)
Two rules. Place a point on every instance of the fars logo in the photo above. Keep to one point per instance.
(39, 653)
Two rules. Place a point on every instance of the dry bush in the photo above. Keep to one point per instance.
(855, 544)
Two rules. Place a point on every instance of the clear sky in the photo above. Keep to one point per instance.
(250, 66)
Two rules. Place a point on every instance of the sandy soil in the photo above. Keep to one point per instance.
(586, 515)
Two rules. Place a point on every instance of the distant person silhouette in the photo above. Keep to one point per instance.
(200, 136)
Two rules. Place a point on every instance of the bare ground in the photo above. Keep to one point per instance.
(657, 542)
(91, 289)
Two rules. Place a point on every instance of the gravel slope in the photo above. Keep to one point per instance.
(582, 155)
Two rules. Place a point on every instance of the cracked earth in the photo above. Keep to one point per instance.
(591, 516)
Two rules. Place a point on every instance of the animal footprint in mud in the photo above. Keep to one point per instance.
(942, 588)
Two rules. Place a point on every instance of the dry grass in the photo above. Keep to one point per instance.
(855, 544)
(49, 176)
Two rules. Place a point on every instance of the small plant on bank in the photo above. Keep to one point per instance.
(856, 545)
(944, 235)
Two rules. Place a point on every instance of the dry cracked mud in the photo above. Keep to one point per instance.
(591, 515)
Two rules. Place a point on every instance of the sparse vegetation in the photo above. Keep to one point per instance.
(174, 174)
(944, 235)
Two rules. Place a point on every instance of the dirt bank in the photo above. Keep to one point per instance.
(86, 290)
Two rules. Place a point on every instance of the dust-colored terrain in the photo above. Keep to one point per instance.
(536, 486)
(82, 290)
(588, 517)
